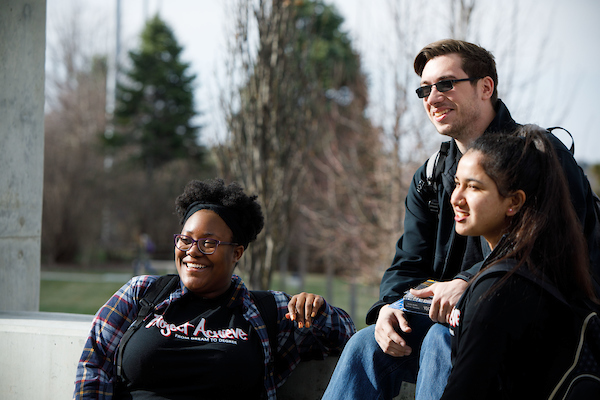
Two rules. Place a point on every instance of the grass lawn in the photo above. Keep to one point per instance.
(75, 297)
(85, 297)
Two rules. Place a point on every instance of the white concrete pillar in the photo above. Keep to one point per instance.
(22, 55)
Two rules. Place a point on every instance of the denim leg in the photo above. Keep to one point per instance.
(435, 363)
(364, 371)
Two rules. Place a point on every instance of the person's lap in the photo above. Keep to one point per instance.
(364, 371)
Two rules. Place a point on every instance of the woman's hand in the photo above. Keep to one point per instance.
(303, 307)
(445, 296)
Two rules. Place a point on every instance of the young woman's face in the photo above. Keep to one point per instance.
(479, 210)
(207, 275)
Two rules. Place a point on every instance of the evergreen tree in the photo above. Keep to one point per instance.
(155, 103)
(328, 51)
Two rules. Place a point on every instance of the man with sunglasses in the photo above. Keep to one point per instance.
(459, 94)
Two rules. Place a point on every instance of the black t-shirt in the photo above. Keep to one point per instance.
(199, 349)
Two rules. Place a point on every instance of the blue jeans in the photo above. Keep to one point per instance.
(436, 364)
(364, 371)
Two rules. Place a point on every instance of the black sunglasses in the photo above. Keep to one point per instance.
(441, 86)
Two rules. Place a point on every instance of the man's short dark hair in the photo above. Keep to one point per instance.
(476, 61)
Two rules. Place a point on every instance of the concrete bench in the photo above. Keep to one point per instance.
(40, 352)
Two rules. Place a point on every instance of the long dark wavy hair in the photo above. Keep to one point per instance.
(546, 234)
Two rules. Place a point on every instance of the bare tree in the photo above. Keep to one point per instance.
(72, 164)
(267, 109)
(298, 137)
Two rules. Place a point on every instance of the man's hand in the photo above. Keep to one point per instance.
(386, 334)
(445, 296)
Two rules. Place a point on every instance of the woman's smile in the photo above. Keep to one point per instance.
(207, 275)
(460, 216)
(194, 266)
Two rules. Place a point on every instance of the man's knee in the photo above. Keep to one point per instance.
(436, 347)
(437, 336)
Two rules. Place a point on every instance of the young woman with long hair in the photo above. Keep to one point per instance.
(512, 339)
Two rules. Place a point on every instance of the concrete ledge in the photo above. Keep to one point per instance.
(40, 352)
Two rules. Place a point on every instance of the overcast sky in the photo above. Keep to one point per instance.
(199, 25)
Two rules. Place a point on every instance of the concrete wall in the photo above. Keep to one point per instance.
(22, 51)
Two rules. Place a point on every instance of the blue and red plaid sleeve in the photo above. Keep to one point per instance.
(95, 371)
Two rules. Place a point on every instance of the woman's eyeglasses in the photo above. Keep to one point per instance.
(205, 245)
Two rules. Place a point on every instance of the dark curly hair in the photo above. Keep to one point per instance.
(214, 191)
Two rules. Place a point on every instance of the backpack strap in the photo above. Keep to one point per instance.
(508, 265)
(439, 164)
(572, 148)
(156, 292)
(433, 172)
(430, 166)
(267, 307)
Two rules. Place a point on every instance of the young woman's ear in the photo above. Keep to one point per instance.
(238, 251)
(517, 199)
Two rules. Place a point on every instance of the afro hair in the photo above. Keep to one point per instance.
(214, 191)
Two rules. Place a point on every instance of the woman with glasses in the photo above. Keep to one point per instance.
(208, 338)
(511, 338)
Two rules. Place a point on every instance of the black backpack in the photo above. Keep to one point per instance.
(160, 289)
(581, 381)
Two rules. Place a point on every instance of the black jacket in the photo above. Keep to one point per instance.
(513, 344)
(430, 248)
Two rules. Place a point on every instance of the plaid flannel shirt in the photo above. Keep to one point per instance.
(330, 331)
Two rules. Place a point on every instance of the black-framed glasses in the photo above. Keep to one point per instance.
(205, 245)
(441, 86)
